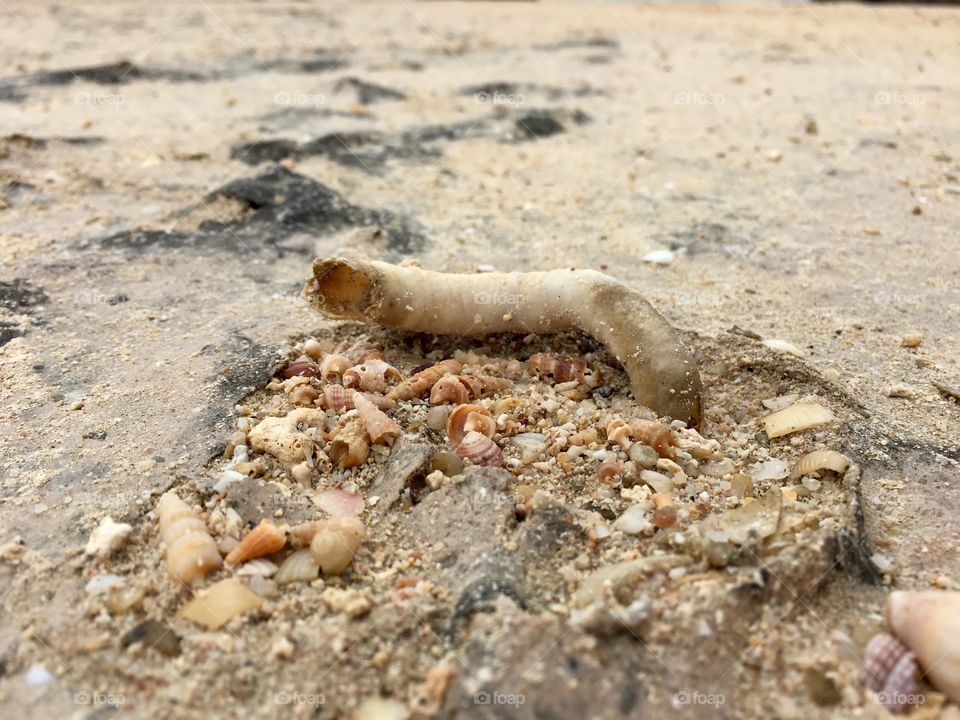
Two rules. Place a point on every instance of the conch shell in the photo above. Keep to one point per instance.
(265, 539)
(380, 428)
(371, 375)
(416, 385)
(478, 449)
(655, 434)
(191, 552)
(929, 624)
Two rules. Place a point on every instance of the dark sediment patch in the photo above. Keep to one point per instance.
(369, 93)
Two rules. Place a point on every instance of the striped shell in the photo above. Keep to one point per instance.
(561, 369)
(820, 460)
(191, 552)
(890, 669)
(928, 623)
(337, 397)
(380, 428)
(303, 366)
(265, 539)
(478, 449)
(350, 447)
(461, 388)
(333, 366)
(466, 418)
(418, 384)
(372, 376)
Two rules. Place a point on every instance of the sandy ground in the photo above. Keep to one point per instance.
(800, 162)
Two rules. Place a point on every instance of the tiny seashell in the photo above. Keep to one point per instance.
(350, 447)
(419, 383)
(298, 567)
(258, 566)
(337, 398)
(335, 543)
(619, 431)
(889, 668)
(655, 434)
(608, 470)
(465, 418)
(303, 395)
(381, 429)
(265, 539)
(220, 603)
(820, 460)
(333, 366)
(191, 551)
(283, 437)
(783, 346)
(339, 503)
(561, 369)
(449, 389)
(302, 366)
(479, 449)
(800, 416)
(928, 622)
(372, 376)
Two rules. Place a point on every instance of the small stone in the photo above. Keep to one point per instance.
(107, 538)
(153, 635)
(902, 391)
(348, 601)
(774, 155)
(658, 257)
(282, 648)
(633, 521)
(38, 676)
(912, 341)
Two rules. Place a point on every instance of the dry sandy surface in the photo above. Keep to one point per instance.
(802, 165)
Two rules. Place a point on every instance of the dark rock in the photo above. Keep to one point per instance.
(19, 295)
(153, 635)
(409, 461)
(538, 124)
(369, 93)
(255, 499)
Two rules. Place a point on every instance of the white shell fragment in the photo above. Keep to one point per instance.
(107, 538)
(783, 346)
(220, 603)
(820, 460)
(801, 416)
(658, 257)
(771, 469)
(760, 518)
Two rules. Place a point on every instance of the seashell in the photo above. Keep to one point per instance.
(506, 405)
(657, 435)
(283, 437)
(380, 428)
(479, 449)
(302, 533)
(449, 389)
(313, 348)
(419, 383)
(371, 354)
(664, 512)
(532, 446)
(619, 431)
(298, 567)
(335, 543)
(191, 552)
(265, 539)
(761, 518)
(465, 418)
(929, 624)
(303, 366)
(350, 447)
(303, 395)
(437, 417)
(334, 365)
(220, 603)
(337, 397)
(608, 470)
(820, 460)
(372, 376)
(340, 503)
(258, 566)
(585, 437)
(800, 416)
(890, 669)
(561, 369)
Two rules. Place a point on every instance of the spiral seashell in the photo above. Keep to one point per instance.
(380, 428)
(350, 447)
(191, 552)
(655, 434)
(467, 418)
(265, 539)
(890, 669)
(334, 365)
(337, 397)
(929, 624)
(478, 449)
(283, 437)
(372, 376)
(303, 366)
(561, 369)
(419, 383)
(449, 389)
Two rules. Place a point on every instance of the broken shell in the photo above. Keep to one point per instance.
(437, 417)
(191, 552)
(304, 395)
(372, 376)
(298, 567)
(335, 543)
(334, 366)
(220, 603)
(561, 369)
(820, 460)
(479, 449)
(350, 447)
(801, 416)
(760, 518)
(265, 539)
(339, 503)
(302, 366)
(465, 418)
(107, 538)
(449, 389)
(929, 624)
(380, 428)
(619, 432)
(283, 437)
(531, 445)
(419, 383)
(890, 669)
(657, 435)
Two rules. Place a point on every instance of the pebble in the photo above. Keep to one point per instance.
(659, 257)
(38, 676)
(633, 521)
(912, 341)
(100, 584)
(107, 538)
(902, 391)
(643, 455)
